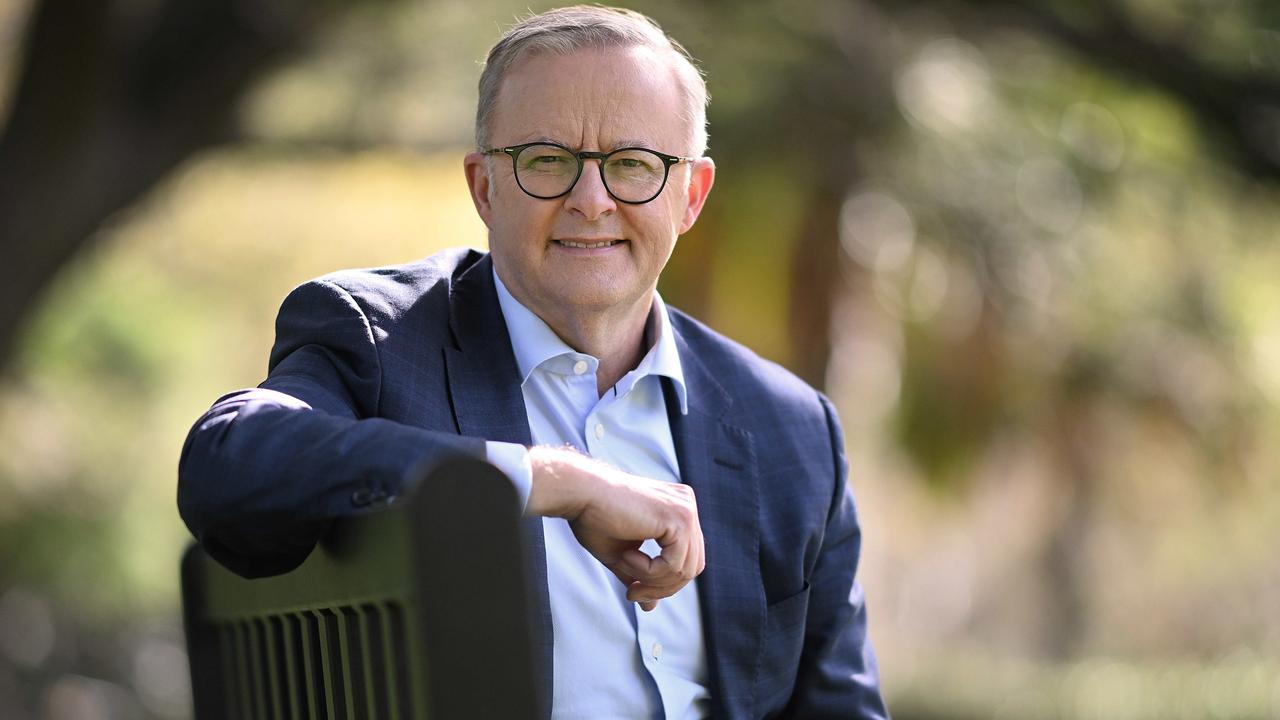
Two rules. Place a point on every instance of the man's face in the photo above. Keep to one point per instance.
(596, 100)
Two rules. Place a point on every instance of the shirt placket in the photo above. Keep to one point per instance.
(649, 641)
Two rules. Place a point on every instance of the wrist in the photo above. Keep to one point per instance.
(557, 481)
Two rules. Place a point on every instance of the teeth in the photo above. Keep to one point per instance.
(592, 246)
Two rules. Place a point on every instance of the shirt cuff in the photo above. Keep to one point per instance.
(512, 459)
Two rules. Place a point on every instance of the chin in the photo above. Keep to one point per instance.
(592, 291)
(591, 299)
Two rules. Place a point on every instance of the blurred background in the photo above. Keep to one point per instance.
(1028, 248)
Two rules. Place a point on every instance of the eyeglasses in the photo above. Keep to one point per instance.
(631, 175)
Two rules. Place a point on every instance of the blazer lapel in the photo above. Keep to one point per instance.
(484, 390)
(484, 384)
(717, 461)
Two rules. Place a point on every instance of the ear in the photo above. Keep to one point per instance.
(476, 167)
(702, 175)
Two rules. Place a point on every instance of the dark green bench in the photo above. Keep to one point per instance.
(415, 612)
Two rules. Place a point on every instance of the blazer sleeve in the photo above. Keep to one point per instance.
(265, 471)
(838, 676)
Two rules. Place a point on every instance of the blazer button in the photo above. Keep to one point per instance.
(365, 497)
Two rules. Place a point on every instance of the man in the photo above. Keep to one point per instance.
(651, 447)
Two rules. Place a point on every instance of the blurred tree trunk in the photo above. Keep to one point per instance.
(110, 97)
(815, 271)
(1075, 449)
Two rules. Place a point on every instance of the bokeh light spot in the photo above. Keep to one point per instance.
(946, 88)
(877, 231)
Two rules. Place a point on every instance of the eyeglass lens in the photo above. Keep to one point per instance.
(548, 171)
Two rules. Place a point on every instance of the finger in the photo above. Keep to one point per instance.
(699, 555)
(675, 547)
(650, 571)
(673, 559)
(643, 567)
(690, 565)
(638, 591)
(648, 605)
(701, 544)
(687, 567)
(642, 591)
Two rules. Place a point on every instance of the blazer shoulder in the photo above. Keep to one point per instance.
(397, 287)
(385, 295)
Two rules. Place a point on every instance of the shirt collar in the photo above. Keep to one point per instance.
(535, 343)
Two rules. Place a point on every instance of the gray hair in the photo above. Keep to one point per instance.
(563, 31)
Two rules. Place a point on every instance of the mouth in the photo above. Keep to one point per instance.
(588, 244)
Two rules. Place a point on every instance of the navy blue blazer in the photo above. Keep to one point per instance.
(375, 372)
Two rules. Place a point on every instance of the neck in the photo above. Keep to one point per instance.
(616, 336)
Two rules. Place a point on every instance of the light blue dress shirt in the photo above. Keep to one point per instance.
(611, 660)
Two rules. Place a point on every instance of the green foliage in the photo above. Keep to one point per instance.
(1055, 326)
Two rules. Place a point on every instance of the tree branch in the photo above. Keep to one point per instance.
(105, 106)
(1239, 113)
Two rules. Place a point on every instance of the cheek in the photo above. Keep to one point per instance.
(674, 216)
(660, 231)
(518, 219)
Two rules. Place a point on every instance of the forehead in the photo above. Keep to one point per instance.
(593, 99)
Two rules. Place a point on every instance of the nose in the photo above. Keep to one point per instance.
(589, 197)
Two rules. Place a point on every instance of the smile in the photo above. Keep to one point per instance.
(588, 246)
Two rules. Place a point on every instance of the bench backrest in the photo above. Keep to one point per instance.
(415, 612)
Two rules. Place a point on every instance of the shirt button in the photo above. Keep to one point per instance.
(579, 367)
(599, 431)
(657, 651)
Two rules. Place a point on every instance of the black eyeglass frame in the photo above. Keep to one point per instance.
(584, 155)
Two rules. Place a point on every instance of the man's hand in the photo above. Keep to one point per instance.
(612, 513)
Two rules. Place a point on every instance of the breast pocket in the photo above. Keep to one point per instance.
(783, 641)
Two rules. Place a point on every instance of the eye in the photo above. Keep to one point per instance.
(633, 161)
(545, 160)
